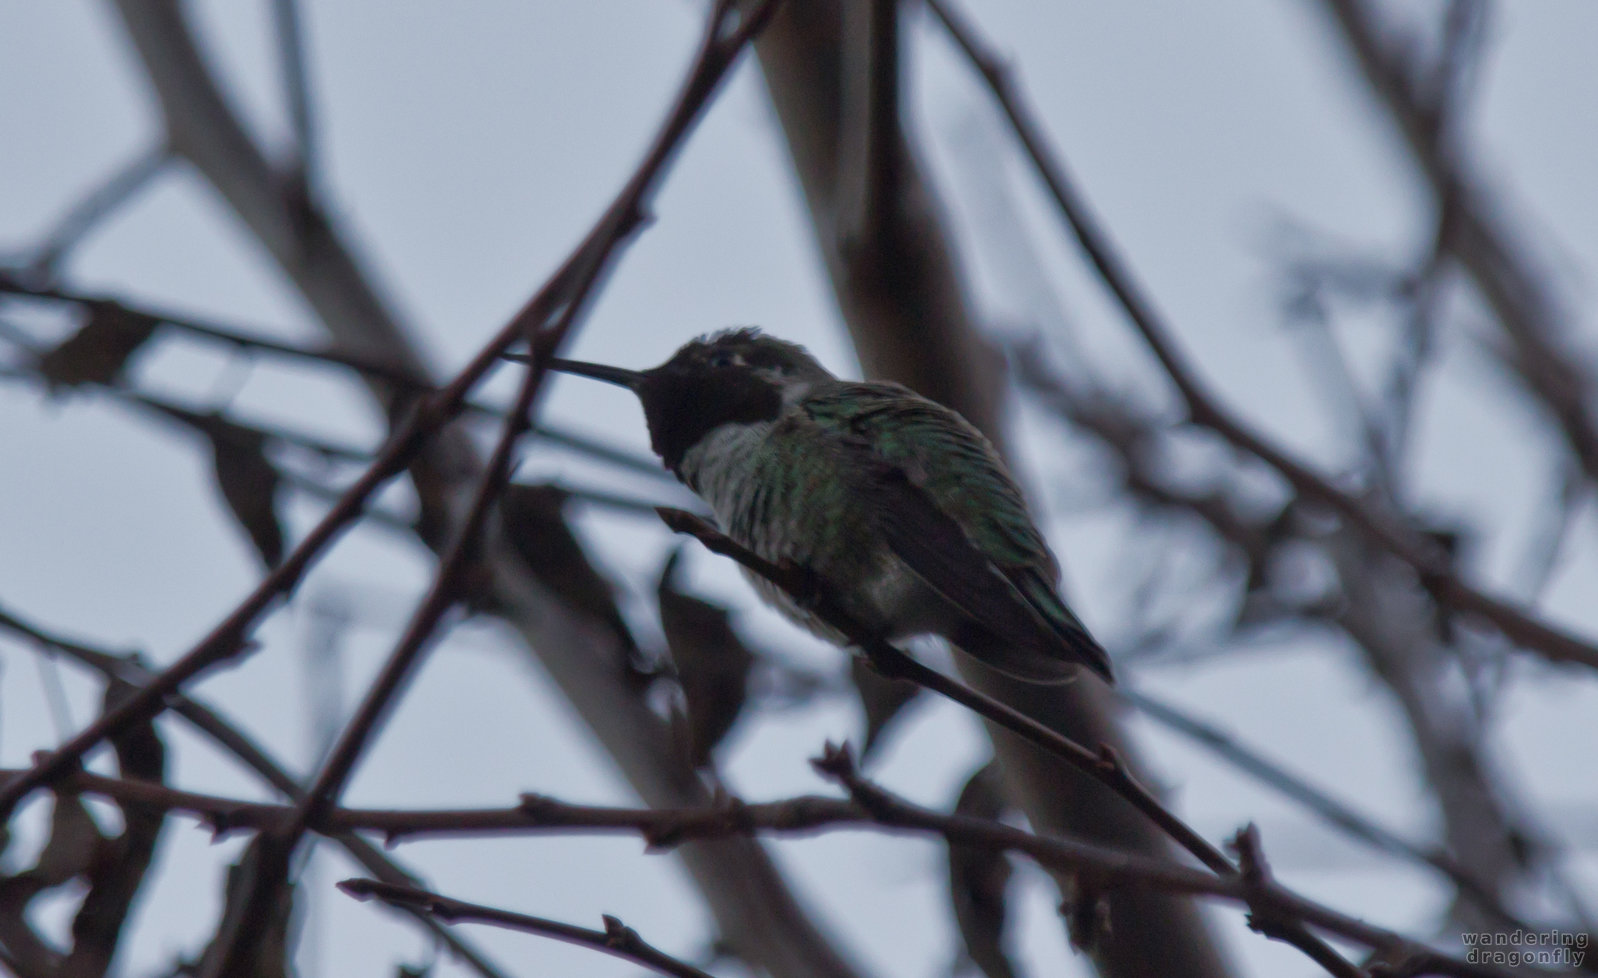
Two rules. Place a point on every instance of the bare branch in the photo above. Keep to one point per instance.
(126, 669)
(619, 221)
(869, 806)
(1516, 623)
(1104, 766)
(1482, 234)
(369, 367)
(869, 154)
(100, 203)
(297, 86)
(814, 593)
(236, 947)
(616, 939)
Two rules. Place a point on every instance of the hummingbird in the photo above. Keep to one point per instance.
(901, 507)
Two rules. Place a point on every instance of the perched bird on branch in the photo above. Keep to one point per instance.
(897, 504)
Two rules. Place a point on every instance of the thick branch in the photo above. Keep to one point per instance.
(227, 640)
(757, 914)
(910, 318)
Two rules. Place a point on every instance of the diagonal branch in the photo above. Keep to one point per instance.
(369, 367)
(1105, 766)
(227, 640)
(100, 203)
(757, 913)
(233, 952)
(127, 670)
(616, 939)
(1513, 621)
(1481, 232)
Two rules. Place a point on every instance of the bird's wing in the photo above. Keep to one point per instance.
(929, 473)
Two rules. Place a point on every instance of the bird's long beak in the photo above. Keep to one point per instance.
(620, 376)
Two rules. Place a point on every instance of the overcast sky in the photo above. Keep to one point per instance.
(467, 146)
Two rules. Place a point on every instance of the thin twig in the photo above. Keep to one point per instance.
(234, 950)
(94, 208)
(235, 338)
(868, 807)
(1432, 566)
(1328, 808)
(127, 669)
(616, 939)
(441, 596)
(226, 641)
(1104, 766)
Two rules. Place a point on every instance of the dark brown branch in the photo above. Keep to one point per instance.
(1515, 623)
(234, 950)
(869, 148)
(617, 939)
(869, 806)
(126, 669)
(236, 947)
(1105, 766)
(369, 367)
(226, 641)
(1479, 231)
(443, 594)
(1318, 802)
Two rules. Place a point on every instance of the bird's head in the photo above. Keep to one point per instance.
(737, 376)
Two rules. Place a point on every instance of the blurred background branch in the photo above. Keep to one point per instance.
(1380, 470)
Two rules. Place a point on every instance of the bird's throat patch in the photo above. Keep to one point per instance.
(681, 410)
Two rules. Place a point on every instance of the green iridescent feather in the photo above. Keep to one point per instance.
(948, 459)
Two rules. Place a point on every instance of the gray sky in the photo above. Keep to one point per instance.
(468, 146)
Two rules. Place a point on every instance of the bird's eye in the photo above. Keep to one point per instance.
(721, 359)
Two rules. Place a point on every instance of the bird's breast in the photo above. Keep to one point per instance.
(778, 493)
(737, 469)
